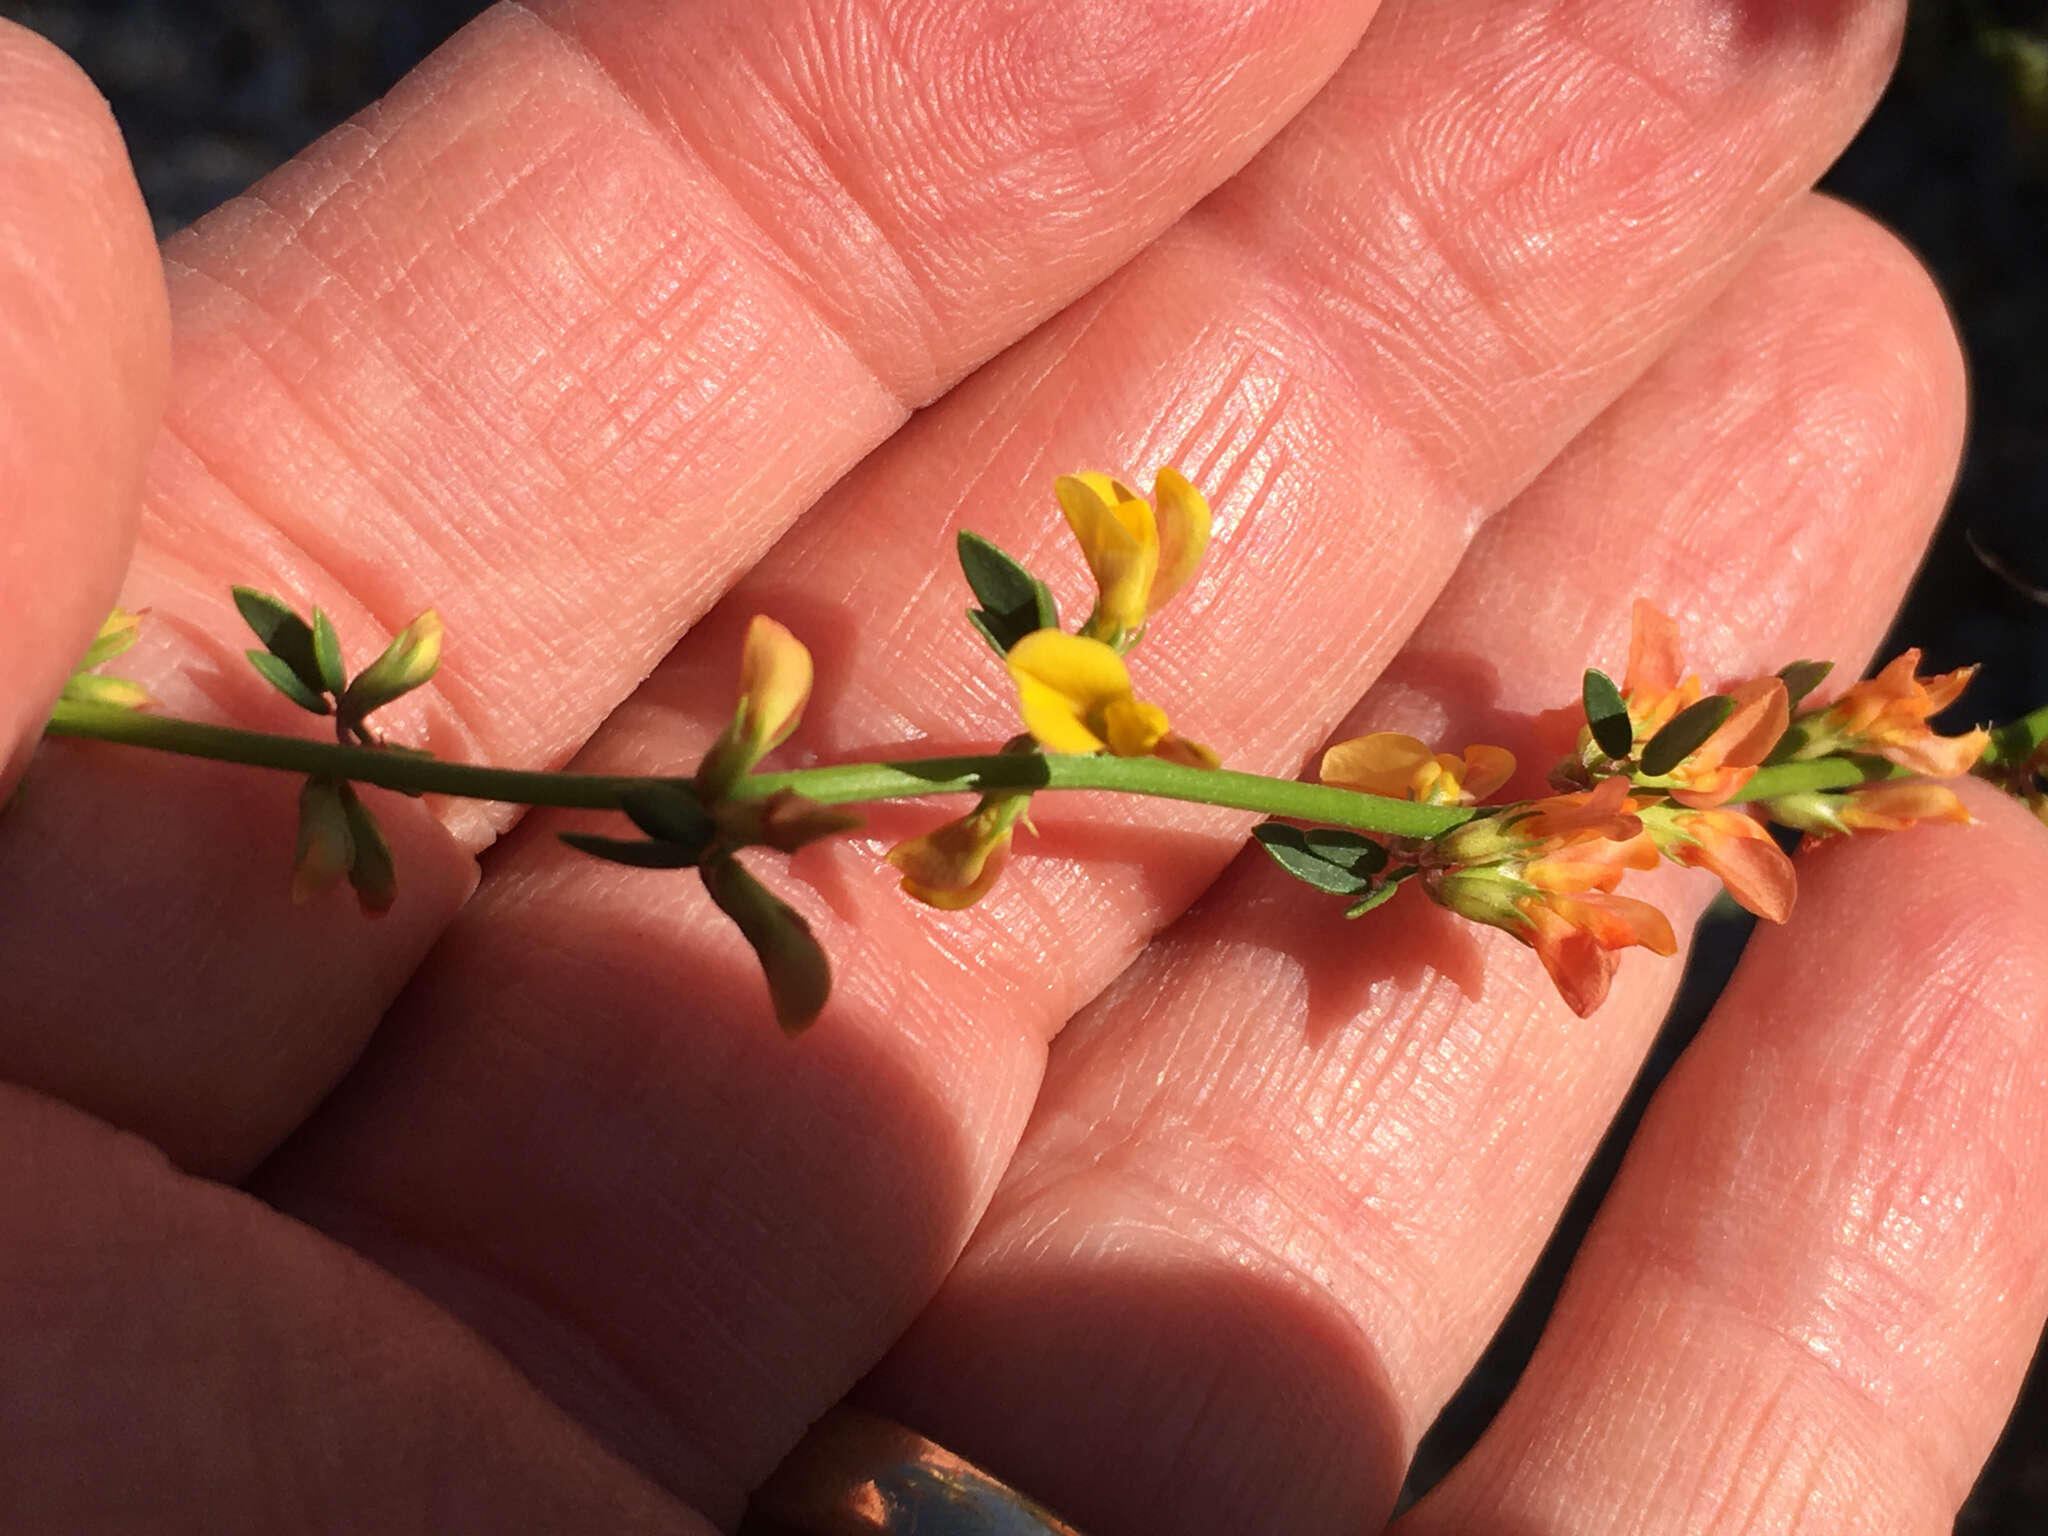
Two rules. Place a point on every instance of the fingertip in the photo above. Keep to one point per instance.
(84, 360)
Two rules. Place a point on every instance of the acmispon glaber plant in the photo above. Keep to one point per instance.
(1663, 769)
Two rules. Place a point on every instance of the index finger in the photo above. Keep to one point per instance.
(558, 338)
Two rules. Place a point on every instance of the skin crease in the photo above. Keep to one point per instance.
(1526, 295)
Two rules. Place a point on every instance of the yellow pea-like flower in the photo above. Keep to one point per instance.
(1141, 553)
(775, 684)
(1075, 695)
(1402, 768)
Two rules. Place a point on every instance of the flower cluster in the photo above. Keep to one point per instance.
(1657, 765)
(1663, 769)
(1074, 693)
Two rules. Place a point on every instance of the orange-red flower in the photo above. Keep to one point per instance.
(1656, 690)
(1549, 881)
(1881, 807)
(1402, 768)
(1733, 846)
(1888, 714)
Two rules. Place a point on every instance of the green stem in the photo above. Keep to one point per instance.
(2017, 741)
(845, 784)
(857, 783)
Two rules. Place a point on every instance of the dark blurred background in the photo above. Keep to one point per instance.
(213, 93)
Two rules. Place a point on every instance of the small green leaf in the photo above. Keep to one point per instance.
(1607, 714)
(283, 633)
(1292, 850)
(636, 855)
(1802, 677)
(799, 977)
(279, 674)
(669, 814)
(327, 654)
(1014, 603)
(371, 871)
(1378, 895)
(1349, 850)
(1381, 892)
(1684, 735)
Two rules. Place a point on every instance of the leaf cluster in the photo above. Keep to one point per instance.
(1336, 860)
(302, 660)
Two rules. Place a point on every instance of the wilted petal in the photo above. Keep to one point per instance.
(1895, 807)
(1653, 665)
(955, 865)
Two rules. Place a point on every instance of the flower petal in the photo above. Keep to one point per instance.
(1062, 680)
(1579, 967)
(1384, 763)
(1653, 665)
(1183, 522)
(1735, 848)
(1486, 769)
(1119, 542)
(775, 683)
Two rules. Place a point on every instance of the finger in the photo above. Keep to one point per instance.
(609, 1016)
(180, 1358)
(1287, 1173)
(557, 339)
(1810, 1297)
(83, 354)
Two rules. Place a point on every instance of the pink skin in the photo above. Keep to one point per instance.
(1189, 1233)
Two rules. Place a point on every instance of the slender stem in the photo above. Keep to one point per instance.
(2017, 741)
(845, 784)
(856, 783)
(381, 766)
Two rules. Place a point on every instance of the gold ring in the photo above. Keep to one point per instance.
(856, 1474)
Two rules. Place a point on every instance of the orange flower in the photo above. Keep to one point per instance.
(1887, 714)
(1656, 693)
(1402, 768)
(1549, 882)
(1604, 813)
(1576, 937)
(1734, 847)
(1882, 807)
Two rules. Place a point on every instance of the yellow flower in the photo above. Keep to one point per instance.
(1141, 554)
(1075, 696)
(1402, 768)
(955, 865)
(775, 684)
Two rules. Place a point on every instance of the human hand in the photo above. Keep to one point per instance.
(1525, 313)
